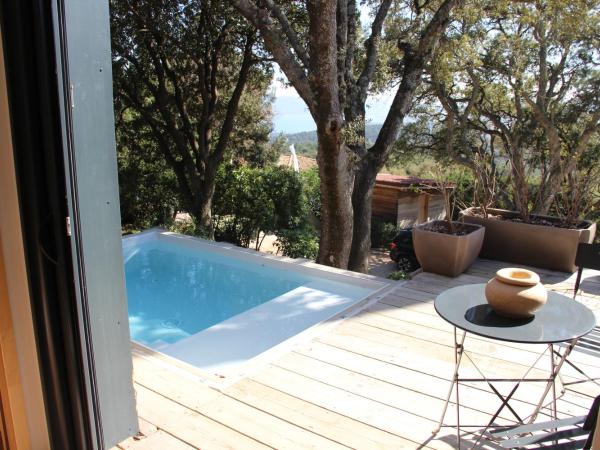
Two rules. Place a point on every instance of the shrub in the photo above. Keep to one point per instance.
(382, 232)
(147, 190)
(299, 243)
(399, 275)
(311, 189)
(250, 201)
(188, 227)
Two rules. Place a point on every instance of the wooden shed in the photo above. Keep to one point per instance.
(407, 200)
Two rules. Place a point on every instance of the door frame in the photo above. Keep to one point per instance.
(39, 92)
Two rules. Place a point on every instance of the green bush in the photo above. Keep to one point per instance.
(188, 227)
(300, 243)
(147, 190)
(382, 232)
(311, 190)
(399, 275)
(250, 201)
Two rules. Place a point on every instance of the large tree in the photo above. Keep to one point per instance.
(526, 75)
(182, 69)
(321, 48)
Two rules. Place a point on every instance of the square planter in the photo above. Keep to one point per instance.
(524, 243)
(446, 254)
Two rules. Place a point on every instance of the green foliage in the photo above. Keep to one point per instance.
(189, 227)
(382, 232)
(462, 179)
(183, 227)
(250, 201)
(147, 186)
(515, 93)
(312, 195)
(398, 275)
(299, 243)
(190, 89)
(251, 142)
(308, 149)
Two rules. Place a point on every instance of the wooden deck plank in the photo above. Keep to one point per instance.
(416, 401)
(473, 396)
(520, 353)
(196, 396)
(159, 440)
(309, 416)
(187, 425)
(354, 406)
(424, 315)
(422, 356)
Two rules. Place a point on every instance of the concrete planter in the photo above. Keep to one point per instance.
(535, 245)
(446, 254)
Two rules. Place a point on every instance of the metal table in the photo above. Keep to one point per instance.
(562, 319)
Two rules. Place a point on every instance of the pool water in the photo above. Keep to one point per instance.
(174, 292)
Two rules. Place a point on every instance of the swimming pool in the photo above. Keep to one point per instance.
(216, 306)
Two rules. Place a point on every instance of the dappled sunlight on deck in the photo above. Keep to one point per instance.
(376, 380)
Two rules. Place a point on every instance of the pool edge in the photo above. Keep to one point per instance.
(220, 382)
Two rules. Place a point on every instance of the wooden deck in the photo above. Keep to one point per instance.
(377, 380)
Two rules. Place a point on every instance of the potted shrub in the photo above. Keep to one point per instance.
(447, 247)
(540, 241)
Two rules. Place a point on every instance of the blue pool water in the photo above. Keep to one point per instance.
(174, 292)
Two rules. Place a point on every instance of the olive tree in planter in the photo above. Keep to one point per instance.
(447, 247)
(527, 80)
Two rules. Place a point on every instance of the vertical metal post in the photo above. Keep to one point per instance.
(551, 384)
(458, 348)
(553, 376)
(458, 352)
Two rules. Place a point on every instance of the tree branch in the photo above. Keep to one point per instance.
(274, 39)
(289, 32)
(372, 48)
(233, 104)
(414, 63)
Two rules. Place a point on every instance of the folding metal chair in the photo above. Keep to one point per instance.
(588, 257)
(571, 433)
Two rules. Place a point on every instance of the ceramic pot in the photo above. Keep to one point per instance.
(446, 254)
(525, 243)
(516, 293)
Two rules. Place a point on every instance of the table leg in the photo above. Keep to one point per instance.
(457, 363)
(551, 383)
(458, 353)
(552, 371)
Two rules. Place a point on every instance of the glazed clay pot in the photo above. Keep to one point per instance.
(516, 293)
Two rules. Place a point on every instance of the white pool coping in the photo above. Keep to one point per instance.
(231, 349)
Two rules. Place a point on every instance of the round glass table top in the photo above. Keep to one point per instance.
(560, 319)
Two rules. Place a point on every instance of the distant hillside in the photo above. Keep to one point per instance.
(310, 137)
(305, 142)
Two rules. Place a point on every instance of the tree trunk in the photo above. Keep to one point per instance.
(333, 156)
(519, 183)
(362, 198)
(336, 193)
(548, 193)
(202, 210)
